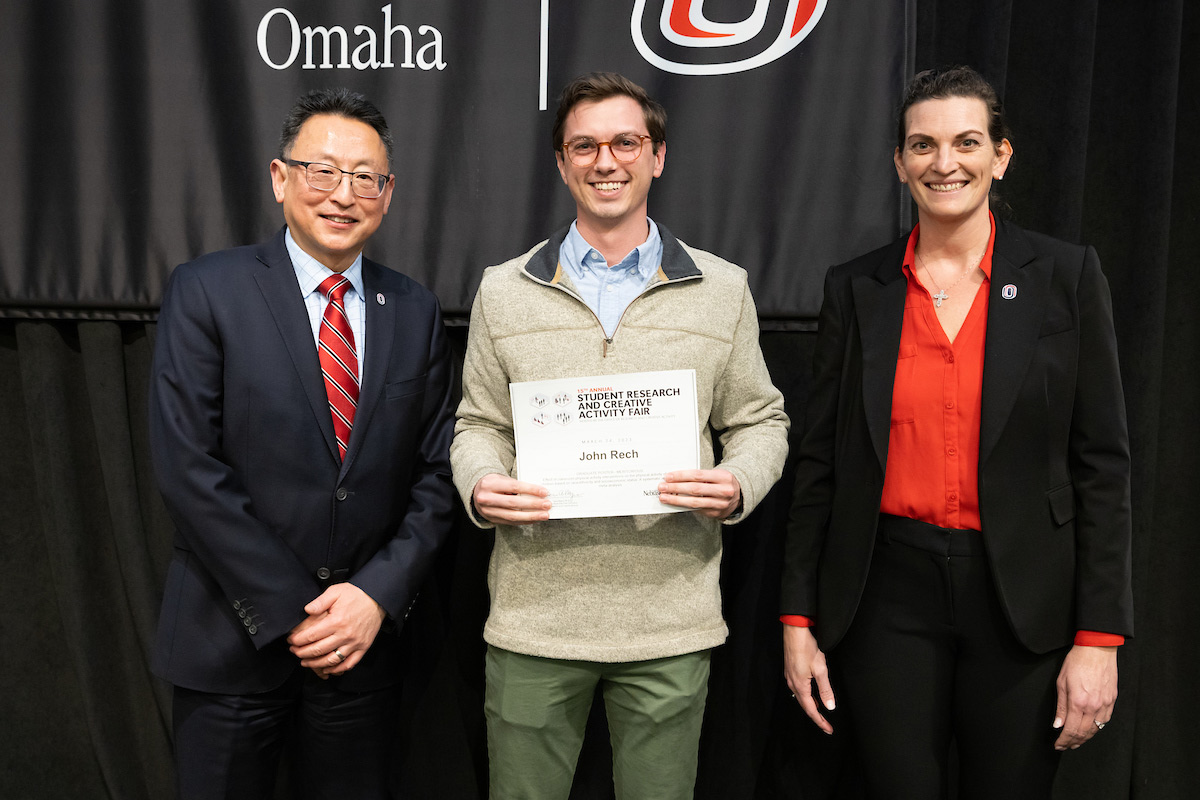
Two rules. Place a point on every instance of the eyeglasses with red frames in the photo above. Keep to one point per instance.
(625, 147)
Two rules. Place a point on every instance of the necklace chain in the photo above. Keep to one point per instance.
(943, 294)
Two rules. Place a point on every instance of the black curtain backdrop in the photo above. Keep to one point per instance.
(1101, 96)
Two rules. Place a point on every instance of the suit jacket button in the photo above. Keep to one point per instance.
(341, 493)
(242, 613)
(323, 573)
(237, 603)
(246, 622)
(253, 629)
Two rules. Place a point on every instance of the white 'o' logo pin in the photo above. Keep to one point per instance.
(1008, 292)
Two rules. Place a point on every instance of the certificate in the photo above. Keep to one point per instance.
(602, 444)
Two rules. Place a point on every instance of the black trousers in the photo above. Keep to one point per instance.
(930, 658)
(228, 747)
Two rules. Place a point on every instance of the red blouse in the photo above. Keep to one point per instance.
(932, 470)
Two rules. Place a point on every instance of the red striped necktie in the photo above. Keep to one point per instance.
(339, 360)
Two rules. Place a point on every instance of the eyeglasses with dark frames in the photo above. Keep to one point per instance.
(326, 178)
(625, 147)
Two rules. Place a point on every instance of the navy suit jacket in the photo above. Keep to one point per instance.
(1053, 445)
(244, 450)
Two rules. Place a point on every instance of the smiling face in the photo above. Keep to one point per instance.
(948, 159)
(610, 194)
(333, 226)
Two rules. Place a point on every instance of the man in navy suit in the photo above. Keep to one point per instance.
(308, 504)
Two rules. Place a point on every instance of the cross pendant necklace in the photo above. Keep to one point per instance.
(941, 293)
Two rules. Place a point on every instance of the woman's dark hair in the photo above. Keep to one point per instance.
(943, 82)
(340, 102)
(596, 86)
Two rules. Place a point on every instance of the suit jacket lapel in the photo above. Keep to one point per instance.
(1013, 324)
(380, 332)
(879, 304)
(282, 294)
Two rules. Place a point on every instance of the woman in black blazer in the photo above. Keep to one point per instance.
(959, 542)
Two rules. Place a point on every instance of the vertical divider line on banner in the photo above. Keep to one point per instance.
(544, 55)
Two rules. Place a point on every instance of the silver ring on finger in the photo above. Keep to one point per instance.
(338, 653)
(1099, 725)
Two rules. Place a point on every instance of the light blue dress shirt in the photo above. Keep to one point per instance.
(309, 274)
(608, 291)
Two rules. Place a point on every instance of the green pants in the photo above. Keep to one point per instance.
(537, 709)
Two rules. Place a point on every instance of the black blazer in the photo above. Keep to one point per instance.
(246, 459)
(1053, 446)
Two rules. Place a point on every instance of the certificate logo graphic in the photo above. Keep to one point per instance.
(688, 33)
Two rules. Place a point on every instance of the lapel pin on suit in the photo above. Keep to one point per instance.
(1009, 291)
(379, 298)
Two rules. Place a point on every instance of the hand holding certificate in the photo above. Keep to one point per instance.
(601, 445)
(714, 493)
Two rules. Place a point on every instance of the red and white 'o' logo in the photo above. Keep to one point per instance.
(683, 23)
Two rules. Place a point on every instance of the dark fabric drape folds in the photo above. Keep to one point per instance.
(1100, 96)
(89, 553)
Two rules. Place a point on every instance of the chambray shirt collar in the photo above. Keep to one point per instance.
(310, 272)
(578, 257)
